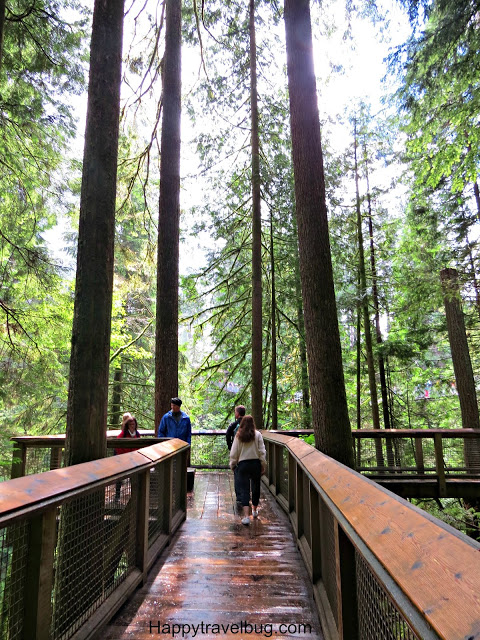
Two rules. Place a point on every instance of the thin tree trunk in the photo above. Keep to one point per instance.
(364, 302)
(329, 403)
(256, 235)
(376, 303)
(166, 341)
(274, 394)
(302, 347)
(359, 376)
(89, 364)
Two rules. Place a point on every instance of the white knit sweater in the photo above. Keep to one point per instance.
(255, 449)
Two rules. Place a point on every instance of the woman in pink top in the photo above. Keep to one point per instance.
(248, 456)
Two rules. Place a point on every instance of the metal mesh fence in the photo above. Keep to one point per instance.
(329, 573)
(378, 617)
(209, 451)
(157, 521)
(394, 455)
(96, 530)
(37, 460)
(13, 567)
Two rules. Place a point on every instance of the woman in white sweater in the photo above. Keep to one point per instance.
(248, 454)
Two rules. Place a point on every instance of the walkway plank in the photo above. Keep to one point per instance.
(221, 579)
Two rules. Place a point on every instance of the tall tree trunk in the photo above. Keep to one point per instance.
(457, 336)
(376, 302)
(256, 235)
(166, 341)
(302, 347)
(358, 356)
(327, 385)
(274, 394)
(89, 364)
(88, 383)
(364, 302)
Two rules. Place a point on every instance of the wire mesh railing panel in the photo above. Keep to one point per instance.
(96, 530)
(209, 451)
(37, 460)
(119, 532)
(378, 616)
(329, 570)
(393, 455)
(157, 520)
(283, 488)
(14, 543)
(461, 455)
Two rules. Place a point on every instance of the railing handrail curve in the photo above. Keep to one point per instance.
(434, 565)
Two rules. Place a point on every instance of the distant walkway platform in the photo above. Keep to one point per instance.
(221, 579)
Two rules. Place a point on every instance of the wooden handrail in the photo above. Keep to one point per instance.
(38, 490)
(109, 531)
(435, 566)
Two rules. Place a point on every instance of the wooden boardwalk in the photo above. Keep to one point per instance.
(221, 579)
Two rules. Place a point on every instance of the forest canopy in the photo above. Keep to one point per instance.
(400, 161)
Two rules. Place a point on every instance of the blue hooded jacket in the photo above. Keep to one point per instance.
(170, 429)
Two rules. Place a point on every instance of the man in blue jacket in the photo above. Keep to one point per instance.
(175, 423)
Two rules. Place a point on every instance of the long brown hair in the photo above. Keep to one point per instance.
(246, 429)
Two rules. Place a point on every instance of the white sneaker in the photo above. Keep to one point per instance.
(246, 520)
(255, 513)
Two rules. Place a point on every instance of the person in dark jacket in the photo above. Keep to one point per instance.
(175, 423)
(233, 426)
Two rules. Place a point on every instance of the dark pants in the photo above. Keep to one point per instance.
(248, 471)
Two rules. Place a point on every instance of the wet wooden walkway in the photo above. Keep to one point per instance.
(221, 579)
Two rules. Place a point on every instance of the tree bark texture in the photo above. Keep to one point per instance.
(257, 368)
(166, 342)
(329, 404)
(89, 364)
(457, 336)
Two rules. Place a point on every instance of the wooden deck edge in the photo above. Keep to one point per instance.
(325, 614)
(94, 626)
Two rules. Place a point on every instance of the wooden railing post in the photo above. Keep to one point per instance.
(278, 449)
(299, 500)
(419, 455)
(141, 533)
(316, 547)
(39, 578)
(19, 459)
(440, 465)
(291, 482)
(346, 586)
